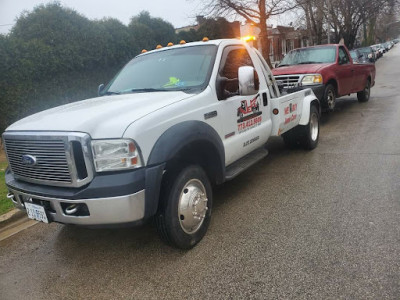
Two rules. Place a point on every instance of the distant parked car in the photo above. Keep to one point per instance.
(368, 53)
(386, 45)
(358, 57)
(378, 51)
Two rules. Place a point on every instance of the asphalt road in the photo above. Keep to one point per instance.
(323, 224)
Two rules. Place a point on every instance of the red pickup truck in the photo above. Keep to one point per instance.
(328, 70)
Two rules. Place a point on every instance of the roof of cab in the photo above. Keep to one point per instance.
(199, 43)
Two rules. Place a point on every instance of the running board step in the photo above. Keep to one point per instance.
(244, 163)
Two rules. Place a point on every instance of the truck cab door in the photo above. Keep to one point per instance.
(346, 72)
(245, 112)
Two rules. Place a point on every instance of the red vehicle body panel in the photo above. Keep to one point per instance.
(348, 78)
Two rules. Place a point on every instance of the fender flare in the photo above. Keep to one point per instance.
(305, 114)
(180, 135)
(169, 144)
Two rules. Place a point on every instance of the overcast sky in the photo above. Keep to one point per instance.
(178, 12)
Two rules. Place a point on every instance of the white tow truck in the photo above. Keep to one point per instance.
(173, 122)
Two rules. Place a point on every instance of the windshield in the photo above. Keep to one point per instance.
(365, 50)
(309, 56)
(182, 69)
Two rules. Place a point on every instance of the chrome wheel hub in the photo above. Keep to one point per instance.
(366, 91)
(331, 99)
(192, 207)
(314, 127)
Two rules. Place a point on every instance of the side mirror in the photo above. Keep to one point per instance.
(248, 81)
(100, 89)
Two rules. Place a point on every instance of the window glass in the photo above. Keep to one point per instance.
(175, 69)
(343, 58)
(314, 55)
(233, 58)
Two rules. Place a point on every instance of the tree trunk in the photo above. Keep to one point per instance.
(264, 32)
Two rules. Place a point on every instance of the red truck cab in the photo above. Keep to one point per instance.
(328, 70)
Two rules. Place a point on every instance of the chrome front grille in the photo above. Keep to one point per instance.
(288, 81)
(49, 158)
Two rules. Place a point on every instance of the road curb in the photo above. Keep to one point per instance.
(13, 222)
(13, 216)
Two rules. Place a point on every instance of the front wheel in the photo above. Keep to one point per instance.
(363, 96)
(185, 208)
(310, 132)
(329, 100)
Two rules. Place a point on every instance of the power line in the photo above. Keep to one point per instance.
(6, 24)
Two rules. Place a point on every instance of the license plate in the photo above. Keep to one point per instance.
(36, 212)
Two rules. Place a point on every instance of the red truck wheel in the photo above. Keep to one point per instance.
(329, 100)
(363, 96)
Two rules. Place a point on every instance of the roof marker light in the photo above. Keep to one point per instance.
(182, 42)
(205, 39)
(170, 44)
(248, 38)
(158, 47)
(144, 51)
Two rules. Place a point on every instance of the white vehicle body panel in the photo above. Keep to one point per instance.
(102, 117)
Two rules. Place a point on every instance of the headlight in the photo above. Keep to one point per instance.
(112, 155)
(311, 79)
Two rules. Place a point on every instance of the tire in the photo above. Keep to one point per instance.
(329, 100)
(364, 95)
(309, 135)
(185, 209)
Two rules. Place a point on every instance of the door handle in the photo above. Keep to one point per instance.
(265, 99)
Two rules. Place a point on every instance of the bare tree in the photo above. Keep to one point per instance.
(315, 17)
(346, 18)
(256, 12)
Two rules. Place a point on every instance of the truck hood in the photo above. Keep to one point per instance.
(101, 117)
(300, 69)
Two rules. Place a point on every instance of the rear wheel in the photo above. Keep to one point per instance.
(185, 208)
(310, 132)
(363, 96)
(329, 100)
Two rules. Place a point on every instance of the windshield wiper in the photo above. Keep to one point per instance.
(284, 65)
(147, 90)
(112, 93)
(310, 62)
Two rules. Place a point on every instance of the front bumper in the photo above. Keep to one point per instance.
(99, 211)
(128, 197)
(318, 90)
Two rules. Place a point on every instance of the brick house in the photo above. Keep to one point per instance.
(282, 39)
